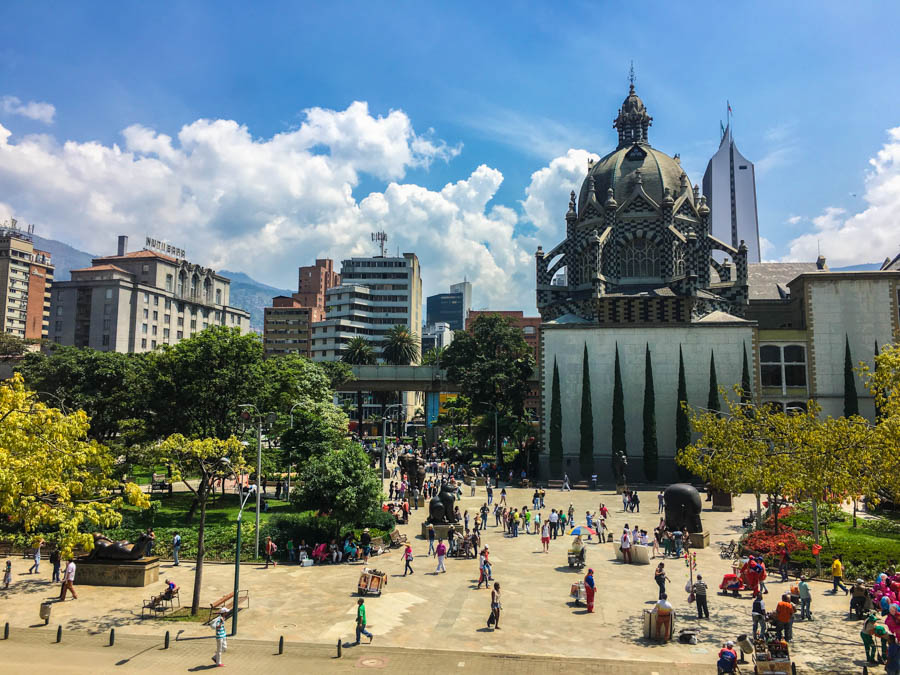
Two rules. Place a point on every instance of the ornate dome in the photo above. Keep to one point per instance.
(618, 170)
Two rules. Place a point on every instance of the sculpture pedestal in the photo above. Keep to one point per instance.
(440, 531)
(721, 501)
(621, 488)
(699, 539)
(140, 572)
(481, 481)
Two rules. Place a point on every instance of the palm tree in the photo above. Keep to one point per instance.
(400, 347)
(433, 356)
(358, 352)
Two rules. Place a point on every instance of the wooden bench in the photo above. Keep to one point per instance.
(376, 545)
(397, 539)
(554, 484)
(227, 602)
(5, 549)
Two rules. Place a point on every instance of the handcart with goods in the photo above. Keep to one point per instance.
(371, 582)
(772, 656)
(578, 593)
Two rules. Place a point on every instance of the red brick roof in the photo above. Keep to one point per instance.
(99, 268)
(139, 254)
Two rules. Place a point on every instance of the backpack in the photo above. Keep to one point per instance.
(726, 662)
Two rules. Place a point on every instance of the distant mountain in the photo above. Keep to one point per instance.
(862, 267)
(246, 292)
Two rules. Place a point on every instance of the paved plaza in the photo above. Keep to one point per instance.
(424, 611)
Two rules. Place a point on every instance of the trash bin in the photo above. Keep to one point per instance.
(45, 611)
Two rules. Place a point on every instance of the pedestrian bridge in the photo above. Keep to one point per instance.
(383, 377)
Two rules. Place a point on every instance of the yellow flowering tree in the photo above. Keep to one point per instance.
(883, 382)
(51, 476)
(210, 459)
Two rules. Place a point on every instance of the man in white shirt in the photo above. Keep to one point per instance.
(626, 545)
(68, 580)
(554, 522)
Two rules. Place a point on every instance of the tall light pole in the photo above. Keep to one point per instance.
(384, 421)
(498, 453)
(289, 454)
(237, 560)
(259, 418)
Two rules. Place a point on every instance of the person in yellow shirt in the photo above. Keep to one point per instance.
(837, 575)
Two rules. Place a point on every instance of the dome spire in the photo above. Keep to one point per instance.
(633, 121)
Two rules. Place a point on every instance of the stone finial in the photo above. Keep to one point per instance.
(611, 200)
(591, 192)
(702, 209)
(684, 181)
(571, 214)
(667, 197)
(696, 192)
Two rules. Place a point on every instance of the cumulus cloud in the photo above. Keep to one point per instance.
(266, 205)
(867, 236)
(34, 110)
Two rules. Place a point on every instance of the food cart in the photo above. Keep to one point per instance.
(772, 656)
(371, 582)
(578, 593)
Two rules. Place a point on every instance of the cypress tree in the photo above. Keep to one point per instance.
(712, 401)
(586, 453)
(851, 402)
(619, 445)
(651, 451)
(556, 449)
(682, 423)
(746, 389)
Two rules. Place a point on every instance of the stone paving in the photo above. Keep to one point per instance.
(446, 612)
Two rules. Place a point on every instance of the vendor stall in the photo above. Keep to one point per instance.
(371, 582)
(771, 656)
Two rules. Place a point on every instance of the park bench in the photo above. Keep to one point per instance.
(227, 602)
(159, 483)
(397, 538)
(5, 549)
(377, 545)
(581, 485)
(554, 484)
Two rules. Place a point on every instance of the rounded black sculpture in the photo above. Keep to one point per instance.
(683, 506)
(440, 507)
(107, 549)
(414, 468)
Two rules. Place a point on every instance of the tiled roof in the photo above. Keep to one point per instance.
(102, 268)
(139, 254)
(768, 281)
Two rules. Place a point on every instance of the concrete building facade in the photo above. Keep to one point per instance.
(26, 275)
(136, 301)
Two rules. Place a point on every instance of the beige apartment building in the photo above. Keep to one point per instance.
(26, 274)
(137, 301)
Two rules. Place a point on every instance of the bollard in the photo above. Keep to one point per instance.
(6, 631)
(339, 648)
(59, 633)
(112, 636)
(865, 670)
(281, 645)
(166, 645)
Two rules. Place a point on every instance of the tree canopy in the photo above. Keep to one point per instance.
(340, 482)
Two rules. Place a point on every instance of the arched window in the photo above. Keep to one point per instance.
(678, 265)
(639, 259)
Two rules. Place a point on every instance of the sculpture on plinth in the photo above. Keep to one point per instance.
(683, 506)
(620, 464)
(441, 506)
(414, 468)
(107, 549)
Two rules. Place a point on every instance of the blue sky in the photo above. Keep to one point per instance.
(506, 86)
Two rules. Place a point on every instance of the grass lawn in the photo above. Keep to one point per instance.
(220, 510)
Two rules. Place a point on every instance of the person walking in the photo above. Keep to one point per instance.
(562, 522)
(407, 560)
(483, 569)
(589, 589)
(783, 559)
(361, 622)
(503, 496)
(490, 493)
(699, 589)
(68, 582)
(554, 522)
(35, 568)
(431, 539)
(270, 549)
(55, 560)
(784, 616)
(176, 547)
(545, 536)
(759, 616)
(494, 618)
(660, 578)
(625, 545)
(441, 553)
(565, 485)
(635, 502)
(661, 501)
(805, 599)
(218, 625)
(837, 575)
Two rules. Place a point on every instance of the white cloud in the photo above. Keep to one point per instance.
(35, 110)
(794, 220)
(765, 249)
(871, 234)
(267, 205)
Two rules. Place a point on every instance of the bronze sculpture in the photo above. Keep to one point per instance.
(441, 506)
(107, 549)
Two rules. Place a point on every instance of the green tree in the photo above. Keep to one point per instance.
(619, 443)
(198, 384)
(51, 475)
(682, 420)
(110, 387)
(556, 447)
(586, 452)
(492, 364)
(651, 450)
(340, 483)
(746, 387)
(400, 346)
(12, 345)
(851, 401)
(712, 402)
(433, 356)
(359, 352)
(210, 459)
(318, 427)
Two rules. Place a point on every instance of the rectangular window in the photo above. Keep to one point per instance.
(168, 304)
(109, 293)
(193, 324)
(59, 310)
(107, 310)
(167, 318)
(143, 328)
(179, 335)
(145, 268)
(106, 324)
(152, 344)
(156, 300)
(168, 283)
(180, 320)
(146, 298)
(205, 325)
(166, 334)
(155, 316)
(105, 341)
(153, 330)
(146, 314)
(143, 343)
(59, 326)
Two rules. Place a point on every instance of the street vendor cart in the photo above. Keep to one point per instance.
(371, 582)
(578, 593)
(772, 656)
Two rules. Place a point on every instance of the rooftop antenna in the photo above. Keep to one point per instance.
(381, 239)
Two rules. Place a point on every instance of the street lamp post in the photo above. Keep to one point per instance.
(498, 453)
(259, 418)
(290, 465)
(384, 420)
(237, 559)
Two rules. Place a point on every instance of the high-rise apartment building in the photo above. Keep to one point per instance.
(437, 335)
(375, 295)
(729, 186)
(287, 323)
(26, 275)
(136, 301)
